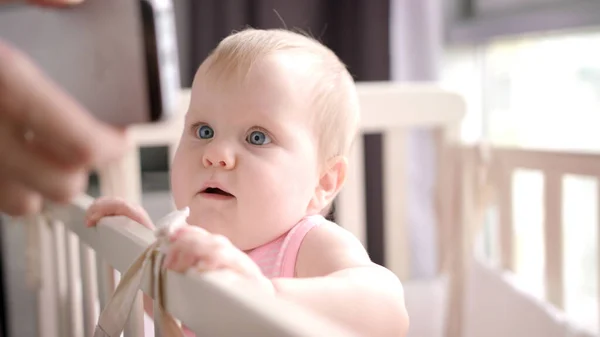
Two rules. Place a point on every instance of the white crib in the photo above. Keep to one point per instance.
(76, 279)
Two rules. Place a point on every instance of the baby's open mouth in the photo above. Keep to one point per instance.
(217, 191)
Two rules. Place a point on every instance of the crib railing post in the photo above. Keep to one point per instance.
(59, 244)
(553, 243)
(350, 209)
(123, 179)
(598, 246)
(48, 309)
(453, 164)
(463, 167)
(504, 182)
(444, 201)
(396, 241)
(74, 284)
(89, 280)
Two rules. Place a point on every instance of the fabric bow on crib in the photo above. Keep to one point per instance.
(116, 313)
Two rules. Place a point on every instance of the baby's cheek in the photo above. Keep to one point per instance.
(179, 186)
(294, 189)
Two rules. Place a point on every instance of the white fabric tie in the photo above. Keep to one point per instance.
(113, 318)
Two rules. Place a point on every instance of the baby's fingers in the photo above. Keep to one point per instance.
(197, 248)
(236, 260)
(111, 206)
(187, 249)
(180, 259)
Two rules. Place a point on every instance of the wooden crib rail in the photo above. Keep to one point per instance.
(385, 106)
(205, 303)
(554, 166)
(394, 110)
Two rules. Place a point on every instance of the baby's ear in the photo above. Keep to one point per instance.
(331, 181)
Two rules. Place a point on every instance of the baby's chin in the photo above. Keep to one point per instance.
(240, 238)
(214, 223)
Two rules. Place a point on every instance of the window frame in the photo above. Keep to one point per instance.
(465, 25)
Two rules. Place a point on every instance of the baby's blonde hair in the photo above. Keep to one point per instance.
(335, 101)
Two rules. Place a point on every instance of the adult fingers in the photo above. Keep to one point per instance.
(33, 102)
(22, 164)
(18, 200)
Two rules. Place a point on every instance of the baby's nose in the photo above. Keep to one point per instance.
(208, 162)
(221, 158)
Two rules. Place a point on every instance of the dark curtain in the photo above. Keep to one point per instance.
(3, 303)
(356, 30)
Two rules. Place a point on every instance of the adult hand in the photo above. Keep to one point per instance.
(48, 142)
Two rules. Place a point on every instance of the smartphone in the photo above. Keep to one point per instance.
(118, 58)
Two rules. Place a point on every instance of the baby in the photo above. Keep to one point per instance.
(272, 117)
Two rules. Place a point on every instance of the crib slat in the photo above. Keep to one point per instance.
(112, 183)
(75, 312)
(48, 314)
(445, 207)
(89, 280)
(60, 254)
(505, 210)
(123, 179)
(451, 158)
(350, 206)
(106, 281)
(598, 246)
(553, 238)
(32, 257)
(458, 247)
(396, 243)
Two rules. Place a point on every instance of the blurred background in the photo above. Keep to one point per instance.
(516, 62)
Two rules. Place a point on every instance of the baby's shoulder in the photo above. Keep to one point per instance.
(327, 248)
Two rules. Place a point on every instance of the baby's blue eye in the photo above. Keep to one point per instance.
(205, 132)
(258, 138)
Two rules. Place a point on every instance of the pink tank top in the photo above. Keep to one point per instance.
(278, 257)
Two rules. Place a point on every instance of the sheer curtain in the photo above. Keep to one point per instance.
(416, 47)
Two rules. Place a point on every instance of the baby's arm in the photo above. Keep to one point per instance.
(336, 278)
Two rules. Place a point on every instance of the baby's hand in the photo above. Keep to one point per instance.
(112, 206)
(194, 247)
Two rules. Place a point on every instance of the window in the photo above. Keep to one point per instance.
(540, 91)
(555, 79)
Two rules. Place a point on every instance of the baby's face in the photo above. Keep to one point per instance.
(247, 163)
